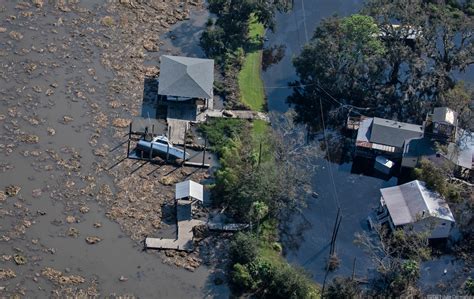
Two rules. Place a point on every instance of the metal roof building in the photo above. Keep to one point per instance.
(411, 202)
(393, 133)
(189, 190)
(185, 77)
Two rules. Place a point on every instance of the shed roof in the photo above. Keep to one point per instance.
(444, 114)
(189, 189)
(412, 201)
(393, 133)
(462, 152)
(186, 77)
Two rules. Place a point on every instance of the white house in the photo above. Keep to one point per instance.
(413, 204)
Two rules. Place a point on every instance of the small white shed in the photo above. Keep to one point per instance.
(189, 190)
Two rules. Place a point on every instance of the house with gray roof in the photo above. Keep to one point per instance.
(185, 78)
(413, 205)
(185, 88)
(379, 136)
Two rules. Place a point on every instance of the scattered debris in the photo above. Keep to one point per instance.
(16, 35)
(7, 274)
(73, 232)
(58, 277)
(93, 240)
(19, 259)
(120, 122)
(12, 190)
(51, 131)
(84, 209)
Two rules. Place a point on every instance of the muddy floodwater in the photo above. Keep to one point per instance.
(71, 76)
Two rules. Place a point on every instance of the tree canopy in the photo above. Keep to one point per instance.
(397, 58)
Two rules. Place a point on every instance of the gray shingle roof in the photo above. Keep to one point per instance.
(186, 77)
(412, 201)
(393, 133)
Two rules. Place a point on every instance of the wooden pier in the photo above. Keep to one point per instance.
(241, 114)
(184, 236)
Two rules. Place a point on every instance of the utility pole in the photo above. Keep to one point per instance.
(353, 268)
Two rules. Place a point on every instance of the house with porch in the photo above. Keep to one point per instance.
(439, 140)
(414, 206)
(379, 136)
(185, 86)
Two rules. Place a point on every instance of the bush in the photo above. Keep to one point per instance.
(243, 249)
(221, 132)
(277, 247)
(241, 278)
(469, 286)
(288, 282)
(343, 287)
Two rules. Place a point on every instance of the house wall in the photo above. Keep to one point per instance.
(372, 153)
(439, 228)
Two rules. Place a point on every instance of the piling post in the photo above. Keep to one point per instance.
(204, 153)
(168, 145)
(151, 150)
(184, 142)
(129, 137)
(153, 130)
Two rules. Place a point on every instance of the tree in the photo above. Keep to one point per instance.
(397, 258)
(243, 249)
(241, 278)
(231, 29)
(397, 59)
(459, 99)
(433, 176)
(258, 211)
(342, 62)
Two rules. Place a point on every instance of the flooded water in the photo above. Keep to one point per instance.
(293, 29)
(60, 90)
(307, 243)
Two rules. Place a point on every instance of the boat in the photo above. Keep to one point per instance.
(161, 146)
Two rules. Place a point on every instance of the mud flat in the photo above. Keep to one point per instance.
(71, 77)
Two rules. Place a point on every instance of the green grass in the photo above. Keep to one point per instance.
(260, 134)
(250, 80)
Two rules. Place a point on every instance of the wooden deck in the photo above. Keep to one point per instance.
(184, 238)
(242, 114)
(177, 129)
